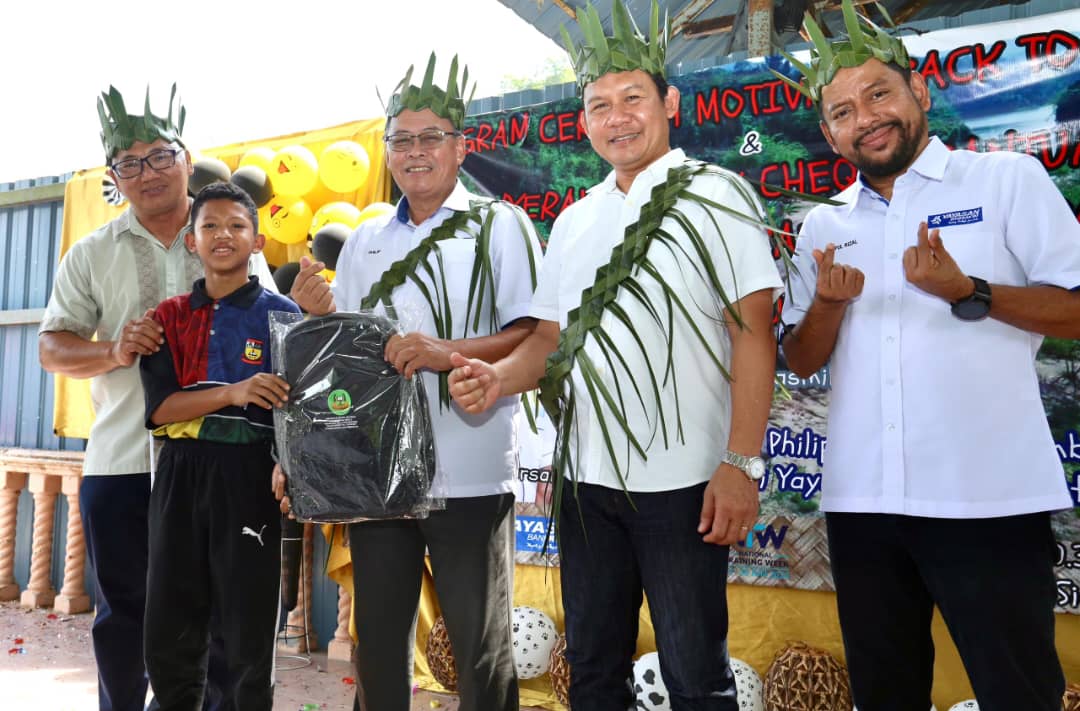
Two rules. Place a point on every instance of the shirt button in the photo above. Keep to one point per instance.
(890, 381)
(893, 255)
(217, 306)
(890, 427)
(892, 297)
(888, 339)
(211, 332)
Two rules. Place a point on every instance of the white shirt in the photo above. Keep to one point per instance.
(930, 415)
(581, 241)
(109, 277)
(476, 455)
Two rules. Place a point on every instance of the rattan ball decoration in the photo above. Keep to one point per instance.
(804, 678)
(1071, 700)
(440, 656)
(559, 669)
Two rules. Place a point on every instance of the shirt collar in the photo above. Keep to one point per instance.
(655, 173)
(930, 164)
(242, 298)
(457, 200)
(129, 223)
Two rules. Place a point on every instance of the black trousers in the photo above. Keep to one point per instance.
(993, 581)
(471, 546)
(215, 535)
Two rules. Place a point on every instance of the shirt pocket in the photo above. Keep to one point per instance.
(972, 249)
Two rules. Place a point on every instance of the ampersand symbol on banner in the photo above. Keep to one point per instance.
(751, 144)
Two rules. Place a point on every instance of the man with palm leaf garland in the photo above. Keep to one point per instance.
(941, 471)
(467, 265)
(655, 358)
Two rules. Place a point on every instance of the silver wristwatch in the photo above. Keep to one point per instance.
(753, 467)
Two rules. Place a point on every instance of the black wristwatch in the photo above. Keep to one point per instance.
(975, 307)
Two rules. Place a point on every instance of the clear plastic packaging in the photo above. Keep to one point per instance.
(355, 437)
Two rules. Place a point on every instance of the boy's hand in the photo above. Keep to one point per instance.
(277, 485)
(310, 290)
(262, 389)
(140, 336)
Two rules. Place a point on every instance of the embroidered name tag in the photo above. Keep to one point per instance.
(957, 217)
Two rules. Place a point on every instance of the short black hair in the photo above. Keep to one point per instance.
(661, 84)
(222, 190)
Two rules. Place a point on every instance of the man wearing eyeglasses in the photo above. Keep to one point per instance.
(106, 287)
(443, 232)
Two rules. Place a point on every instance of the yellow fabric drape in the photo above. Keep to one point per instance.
(85, 211)
(762, 622)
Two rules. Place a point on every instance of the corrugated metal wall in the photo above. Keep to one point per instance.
(29, 253)
(29, 247)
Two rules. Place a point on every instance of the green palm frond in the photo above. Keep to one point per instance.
(449, 103)
(476, 223)
(865, 40)
(119, 129)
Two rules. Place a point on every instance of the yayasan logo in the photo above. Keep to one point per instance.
(339, 402)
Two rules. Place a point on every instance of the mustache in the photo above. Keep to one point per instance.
(867, 132)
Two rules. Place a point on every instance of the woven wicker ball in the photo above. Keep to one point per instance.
(804, 678)
(440, 656)
(1071, 700)
(559, 669)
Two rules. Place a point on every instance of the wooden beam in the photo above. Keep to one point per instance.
(30, 196)
(561, 4)
(686, 15)
(759, 24)
(712, 26)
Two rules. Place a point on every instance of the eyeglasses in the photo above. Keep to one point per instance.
(429, 139)
(133, 167)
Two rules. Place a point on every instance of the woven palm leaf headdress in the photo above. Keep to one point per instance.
(865, 40)
(449, 103)
(624, 51)
(119, 129)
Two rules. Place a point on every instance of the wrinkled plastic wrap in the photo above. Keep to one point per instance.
(355, 436)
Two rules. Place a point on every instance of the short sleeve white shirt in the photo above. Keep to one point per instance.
(931, 415)
(476, 455)
(581, 241)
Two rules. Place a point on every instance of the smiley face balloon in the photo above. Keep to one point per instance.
(288, 220)
(293, 171)
(344, 166)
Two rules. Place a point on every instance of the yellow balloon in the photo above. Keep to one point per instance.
(293, 171)
(289, 220)
(344, 212)
(344, 166)
(376, 209)
(320, 195)
(327, 274)
(260, 157)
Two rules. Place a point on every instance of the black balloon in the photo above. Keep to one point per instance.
(205, 172)
(327, 243)
(285, 275)
(253, 180)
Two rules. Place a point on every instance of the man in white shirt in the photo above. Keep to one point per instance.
(941, 471)
(436, 235)
(107, 286)
(667, 363)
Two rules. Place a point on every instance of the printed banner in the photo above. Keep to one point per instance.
(1008, 86)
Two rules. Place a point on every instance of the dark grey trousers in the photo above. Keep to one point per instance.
(471, 544)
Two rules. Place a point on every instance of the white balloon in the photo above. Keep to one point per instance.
(749, 685)
(534, 635)
(649, 688)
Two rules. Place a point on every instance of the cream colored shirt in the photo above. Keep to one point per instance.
(106, 279)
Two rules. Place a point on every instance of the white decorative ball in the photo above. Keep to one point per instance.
(969, 705)
(749, 685)
(650, 693)
(534, 635)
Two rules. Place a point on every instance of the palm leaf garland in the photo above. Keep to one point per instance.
(629, 263)
(476, 223)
